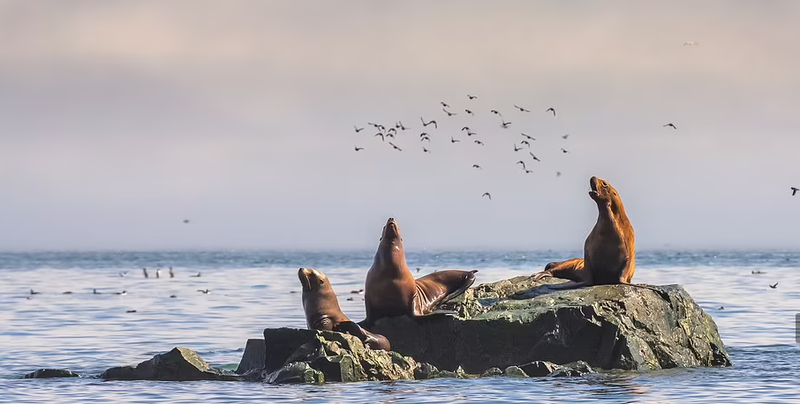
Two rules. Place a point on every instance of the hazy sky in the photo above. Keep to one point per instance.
(118, 119)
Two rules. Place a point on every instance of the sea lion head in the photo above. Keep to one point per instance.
(390, 248)
(312, 280)
(319, 300)
(602, 191)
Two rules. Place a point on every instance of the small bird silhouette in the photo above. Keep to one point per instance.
(144, 270)
(523, 164)
(466, 128)
(528, 136)
(505, 124)
(359, 148)
(357, 128)
(435, 125)
(95, 292)
(794, 190)
(494, 111)
(196, 276)
(185, 221)
(558, 173)
(383, 138)
(452, 140)
(721, 308)
(487, 194)
(526, 142)
(470, 133)
(401, 126)
(472, 97)
(391, 135)
(123, 293)
(479, 142)
(425, 138)
(375, 125)
(394, 146)
(534, 157)
(528, 171)
(516, 148)
(35, 293)
(123, 274)
(565, 136)
(392, 130)
(424, 150)
(774, 286)
(477, 166)
(130, 311)
(444, 104)
(563, 150)
(521, 109)
(551, 109)
(448, 112)
(757, 272)
(469, 112)
(670, 124)
(205, 292)
(67, 293)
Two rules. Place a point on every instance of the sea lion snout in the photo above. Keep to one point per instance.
(310, 278)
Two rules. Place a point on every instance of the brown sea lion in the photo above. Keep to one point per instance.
(609, 253)
(323, 311)
(390, 289)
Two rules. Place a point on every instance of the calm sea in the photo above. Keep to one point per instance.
(251, 290)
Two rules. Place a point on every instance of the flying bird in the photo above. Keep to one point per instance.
(523, 164)
(205, 292)
(670, 124)
(185, 221)
(469, 112)
(565, 136)
(527, 136)
(425, 138)
(563, 150)
(505, 124)
(774, 286)
(487, 194)
(359, 148)
(394, 146)
(35, 293)
(466, 128)
(393, 130)
(435, 125)
(472, 97)
(551, 109)
(494, 111)
(517, 148)
(521, 109)
(401, 126)
(528, 171)
(357, 128)
(424, 150)
(526, 142)
(453, 140)
(374, 124)
(477, 166)
(390, 135)
(479, 142)
(794, 190)
(534, 157)
(470, 133)
(196, 276)
(448, 112)
(558, 173)
(383, 137)
(444, 104)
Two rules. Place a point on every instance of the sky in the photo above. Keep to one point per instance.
(120, 119)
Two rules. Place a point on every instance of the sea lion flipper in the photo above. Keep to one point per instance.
(569, 285)
(572, 269)
(439, 287)
(372, 340)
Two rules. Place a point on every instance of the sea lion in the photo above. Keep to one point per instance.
(390, 290)
(609, 253)
(323, 312)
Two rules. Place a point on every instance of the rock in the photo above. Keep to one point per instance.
(492, 372)
(179, 364)
(338, 357)
(579, 368)
(253, 357)
(459, 373)
(539, 368)
(518, 321)
(425, 371)
(50, 373)
(294, 373)
(514, 371)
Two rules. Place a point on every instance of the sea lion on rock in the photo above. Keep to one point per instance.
(390, 290)
(323, 312)
(609, 253)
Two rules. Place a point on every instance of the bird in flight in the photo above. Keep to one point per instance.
(466, 128)
(424, 150)
(517, 148)
(527, 136)
(401, 126)
(558, 173)
(383, 138)
(444, 104)
(523, 164)
(468, 112)
(487, 194)
(565, 136)
(528, 171)
(472, 97)
(505, 124)
(185, 221)
(521, 109)
(394, 146)
(794, 190)
(425, 138)
(393, 132)
(534, 157)
(563, 150)
(469, 133)
(479, 142)
(448, 112)
(774, 286)
(359, 148)
(357, 128)
(477, 166)
(670, 124)
(496, 112)
(551, 109)
(205, 292)
(452, 140)
(526, 142)
(435, 125)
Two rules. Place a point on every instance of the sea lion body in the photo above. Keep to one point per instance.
(609, 253)
(323, 312)
(390, 289)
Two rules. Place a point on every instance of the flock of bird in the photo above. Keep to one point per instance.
(390, 134)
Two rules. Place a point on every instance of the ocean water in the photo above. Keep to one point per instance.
(251, 290)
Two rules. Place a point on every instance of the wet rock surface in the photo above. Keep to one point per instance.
(179, 364)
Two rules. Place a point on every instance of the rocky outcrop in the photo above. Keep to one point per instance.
(518, 321)
(50, 373)
(179, 364)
